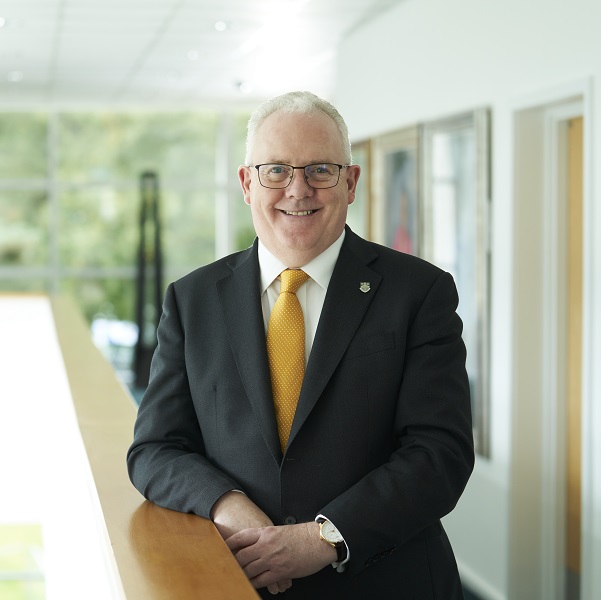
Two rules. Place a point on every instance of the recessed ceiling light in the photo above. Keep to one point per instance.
(2, 21)
(244, 87)
(15, 76)
(220, 25)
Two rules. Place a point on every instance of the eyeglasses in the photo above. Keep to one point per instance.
(318, 176)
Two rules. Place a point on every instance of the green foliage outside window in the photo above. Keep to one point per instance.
(188, 228)
(21, 576)
(97, 227)
(23, 146)
(24, 227)
(69, 199)
(96, 148)
(245, 232)
(109, 298)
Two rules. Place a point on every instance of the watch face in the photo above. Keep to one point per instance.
(330, 533)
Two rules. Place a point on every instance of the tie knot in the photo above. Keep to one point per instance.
(292, 279)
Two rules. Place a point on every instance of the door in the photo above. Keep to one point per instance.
(574, 357)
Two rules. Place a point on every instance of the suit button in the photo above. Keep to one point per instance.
(289, 520)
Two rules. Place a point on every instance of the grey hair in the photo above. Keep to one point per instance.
(304, 103)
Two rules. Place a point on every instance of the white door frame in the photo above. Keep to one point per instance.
(554, 434)
(555, 108)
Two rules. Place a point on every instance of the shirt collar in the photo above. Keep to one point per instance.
(320, 269)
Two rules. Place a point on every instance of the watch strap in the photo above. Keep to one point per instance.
(340, 552)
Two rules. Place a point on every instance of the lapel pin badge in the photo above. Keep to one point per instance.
(365, 286)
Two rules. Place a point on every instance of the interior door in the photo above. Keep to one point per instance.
(574, 356)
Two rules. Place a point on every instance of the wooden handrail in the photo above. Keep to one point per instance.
(160, 554)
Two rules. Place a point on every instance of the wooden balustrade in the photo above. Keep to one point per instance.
(158, 553)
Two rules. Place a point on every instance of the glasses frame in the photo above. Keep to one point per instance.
(283, 187)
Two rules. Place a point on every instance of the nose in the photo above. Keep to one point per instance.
(298, 187)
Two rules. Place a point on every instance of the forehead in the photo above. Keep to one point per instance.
(296, 138)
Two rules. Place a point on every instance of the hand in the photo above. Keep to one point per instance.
(273, 554)
(234, 512)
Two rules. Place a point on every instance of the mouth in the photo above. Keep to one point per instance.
(299, 213)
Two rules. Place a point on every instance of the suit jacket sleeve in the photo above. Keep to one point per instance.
(426, 474)
(167, 461)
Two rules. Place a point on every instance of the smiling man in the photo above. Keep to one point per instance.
(309, 394)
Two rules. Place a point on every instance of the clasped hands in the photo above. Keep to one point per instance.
(270, 556)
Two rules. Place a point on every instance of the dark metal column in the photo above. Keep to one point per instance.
(149, 281)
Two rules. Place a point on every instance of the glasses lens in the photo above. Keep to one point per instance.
(322, 175)
(275, 175)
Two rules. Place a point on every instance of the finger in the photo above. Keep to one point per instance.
(251, 559)
(243, 538)
(284, 584)
(255, 568)
(273, 589)
(265, 579)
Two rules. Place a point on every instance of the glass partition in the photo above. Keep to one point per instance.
(70, 200)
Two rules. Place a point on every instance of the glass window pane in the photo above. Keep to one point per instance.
(109, 298)
(117, 147)
(23, 145)
(238, 143)
(24, 284)
(188, 233)
(245, 231)
(98, 227)
(23, 228)
(243, 226)
(21, 562)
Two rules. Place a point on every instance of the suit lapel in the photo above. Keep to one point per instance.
(241, 305)
(344, 307)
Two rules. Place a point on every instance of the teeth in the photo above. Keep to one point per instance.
(300, 213)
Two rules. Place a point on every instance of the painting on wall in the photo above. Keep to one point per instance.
(396, 214)
(455, 185)
(359, 212)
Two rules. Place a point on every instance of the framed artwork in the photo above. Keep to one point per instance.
(455, 185)
(396, 214)
(359, 212)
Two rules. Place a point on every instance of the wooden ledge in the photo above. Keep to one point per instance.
(159, 553)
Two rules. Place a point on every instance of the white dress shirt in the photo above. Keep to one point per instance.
(311, 294)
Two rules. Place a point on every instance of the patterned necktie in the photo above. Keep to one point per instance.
(286, 351)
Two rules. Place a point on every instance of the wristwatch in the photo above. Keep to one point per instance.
(330, 535)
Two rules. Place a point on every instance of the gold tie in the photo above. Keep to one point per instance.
(286, 350)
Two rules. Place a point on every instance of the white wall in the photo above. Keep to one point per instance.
(432, 58)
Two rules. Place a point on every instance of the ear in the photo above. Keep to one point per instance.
(352, 177)
(244, 177)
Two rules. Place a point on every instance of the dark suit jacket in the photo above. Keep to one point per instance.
(381, 441)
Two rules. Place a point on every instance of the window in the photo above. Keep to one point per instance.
(69, 199)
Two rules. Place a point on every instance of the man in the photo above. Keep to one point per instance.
(378, 444)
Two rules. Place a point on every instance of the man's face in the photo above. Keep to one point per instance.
(298, 223)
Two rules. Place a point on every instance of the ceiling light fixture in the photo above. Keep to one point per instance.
(273, 33)
(15, 76)
(2, 22)
(244, 87)
(220, 25)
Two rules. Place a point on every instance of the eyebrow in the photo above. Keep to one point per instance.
(278, 161)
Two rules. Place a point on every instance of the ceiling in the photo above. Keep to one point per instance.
(171, 52)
